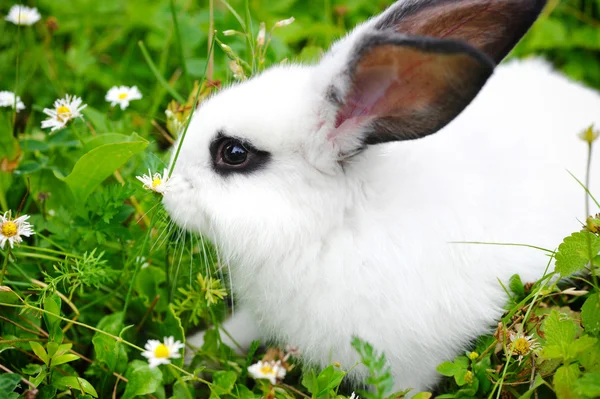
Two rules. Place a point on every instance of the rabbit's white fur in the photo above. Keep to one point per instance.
(321, 252)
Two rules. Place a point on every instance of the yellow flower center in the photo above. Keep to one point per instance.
(156, 182)
(522, 346)
(473, 355)
(122, 96)
(63, 112)
(161, 351)
(9, 229)
(267, 369)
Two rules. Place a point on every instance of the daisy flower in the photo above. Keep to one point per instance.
(155, 182)
(7, 99)
(64, 110)
(159, 353)
(22, 15)
(122, 95)
(13, 230)
(522, 345)
(269, 370)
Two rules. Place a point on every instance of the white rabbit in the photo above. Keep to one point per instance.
(336, 223)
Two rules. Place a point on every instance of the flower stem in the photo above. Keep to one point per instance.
(5, 264)
(139, 264)
(187, 125)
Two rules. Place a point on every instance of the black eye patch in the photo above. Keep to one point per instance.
(234, 155)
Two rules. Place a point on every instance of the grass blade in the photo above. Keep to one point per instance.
(158, 76)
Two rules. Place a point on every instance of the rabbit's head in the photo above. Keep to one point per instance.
(281, 158)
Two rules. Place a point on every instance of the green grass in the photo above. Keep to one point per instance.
(106, 270)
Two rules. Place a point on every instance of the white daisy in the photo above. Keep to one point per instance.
(522, 345)
(64, 110)
(13, 230)
(159, 353)
(269, 370)
(22, 15)
(155, 182)
(122, 95)
(7, 99)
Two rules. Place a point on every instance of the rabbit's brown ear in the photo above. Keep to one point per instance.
(409, 72)
(399, 87)
(492, 26)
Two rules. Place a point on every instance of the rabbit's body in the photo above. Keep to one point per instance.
(323, 249)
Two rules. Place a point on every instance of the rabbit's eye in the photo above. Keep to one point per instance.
(233, 155)
(233, 152)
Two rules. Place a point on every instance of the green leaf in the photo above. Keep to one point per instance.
(39, 351)
(516, 286)
(422, 395)
(244, 393)
(538, 382)
(64, 359)
(576, 252)
(581, 345)
(564, 381)
(37, 380)
(224, 381)
(97, 118)
(559, 329)
(98, 164)
(107, 138)
(451, 369)
(8, 297)
(590, 360)
(329, 379)
(46, 392)
(181, 390)
(107, 349)
(588, 385)
(76, 383)
(380, 375)
(590, 314)
(8, 382)
(142, 379)
(52, 304)
(309, 381)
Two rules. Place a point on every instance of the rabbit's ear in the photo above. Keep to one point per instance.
(412, 70)
(491, 26)
(399, 87)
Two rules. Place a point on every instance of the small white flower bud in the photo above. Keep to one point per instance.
(285, 22)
